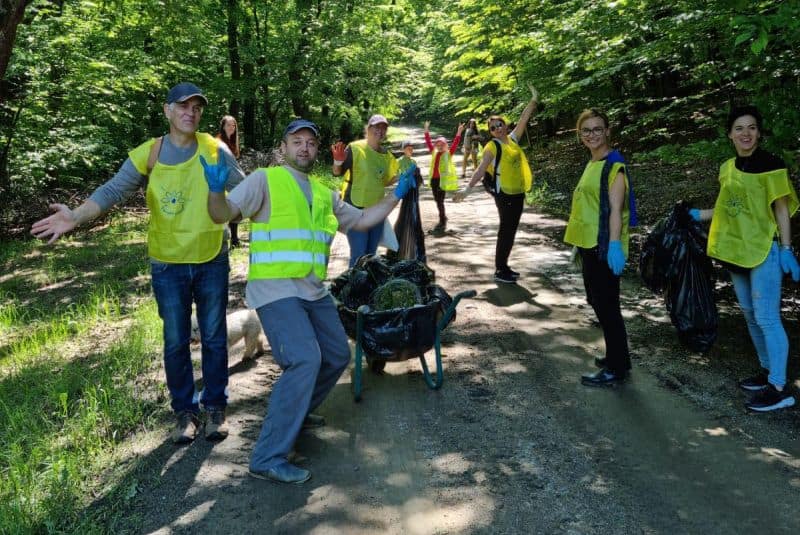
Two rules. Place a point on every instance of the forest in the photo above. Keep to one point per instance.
(81, 82)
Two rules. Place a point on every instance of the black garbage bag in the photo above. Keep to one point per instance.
(408, 226)
(674, 261)
(400, 333)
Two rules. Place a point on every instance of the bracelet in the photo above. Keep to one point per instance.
(787, 247)
(338, 163)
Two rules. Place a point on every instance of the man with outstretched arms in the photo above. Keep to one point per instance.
(294, 219)
(188, 252)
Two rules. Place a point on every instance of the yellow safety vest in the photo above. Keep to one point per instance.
(448, 179)
(180, 229)
(296, 241)
(515, 173)
(371, 172)
(744, 223)
(404, 162)
(584, 217)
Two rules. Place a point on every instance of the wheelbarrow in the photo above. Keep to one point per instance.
(416, 350)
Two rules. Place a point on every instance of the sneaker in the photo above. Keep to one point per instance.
(513, 273)
(505, 277)
(755, 383)
(216, 426)
(186, 428)
(283, 473)
(770, 399)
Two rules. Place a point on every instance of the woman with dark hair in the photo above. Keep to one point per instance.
(750, 234)
(229, 134)
(598, 227)
(470, 146)
(512, 179)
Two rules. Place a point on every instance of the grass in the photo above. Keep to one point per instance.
(80, 336)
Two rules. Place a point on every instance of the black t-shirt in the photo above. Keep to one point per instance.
(760, 161)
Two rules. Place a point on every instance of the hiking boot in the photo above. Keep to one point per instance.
(216, 425)
(770, 399)
(186, 428)
(755, 383)
(313, 420)
(504, 276)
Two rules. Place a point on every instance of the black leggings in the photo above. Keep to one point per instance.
(438, 196)
(602, 292)
(509, 207)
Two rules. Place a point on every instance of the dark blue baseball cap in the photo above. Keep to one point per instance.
(183, 92)
(299, 124)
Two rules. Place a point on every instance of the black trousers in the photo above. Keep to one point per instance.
(509, 207)
(602, 292)
(438, 196)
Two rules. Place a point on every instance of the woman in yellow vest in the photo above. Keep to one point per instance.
(443, 176)
(598, 227)
(750, 233)
(512, 181)
(367, 168)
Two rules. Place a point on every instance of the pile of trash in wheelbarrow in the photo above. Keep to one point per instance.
(394, 311)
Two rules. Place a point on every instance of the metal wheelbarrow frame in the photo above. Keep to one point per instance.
(433, 383)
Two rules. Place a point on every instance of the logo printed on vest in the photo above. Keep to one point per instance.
(733, 206)
(173, 202)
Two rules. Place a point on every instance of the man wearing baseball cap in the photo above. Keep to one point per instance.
(367, 168)
(294, 219)
(188, 252)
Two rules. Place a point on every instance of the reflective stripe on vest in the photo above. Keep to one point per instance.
(296, 240)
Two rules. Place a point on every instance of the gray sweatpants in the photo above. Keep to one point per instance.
(309, 344)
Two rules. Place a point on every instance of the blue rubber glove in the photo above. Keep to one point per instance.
(789, 264)
(616, 258)
(695, 214)
(216, 175)
(405, 182)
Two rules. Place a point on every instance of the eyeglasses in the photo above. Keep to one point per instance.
(597, 130)
(497, 125)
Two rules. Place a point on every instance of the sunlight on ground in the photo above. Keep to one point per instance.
(716, 432)
(187, 519)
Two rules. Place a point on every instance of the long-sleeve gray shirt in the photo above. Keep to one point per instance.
(128, 180)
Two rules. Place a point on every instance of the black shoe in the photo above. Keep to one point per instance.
(770, 399)
(600, 362)
(513, 273)
(313, 420)
(504, 276)
(604, 377)
(755, 383)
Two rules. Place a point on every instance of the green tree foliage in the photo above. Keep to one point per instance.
(666, 70)
(86, 79)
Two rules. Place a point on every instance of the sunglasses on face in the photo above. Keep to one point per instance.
(496, 125)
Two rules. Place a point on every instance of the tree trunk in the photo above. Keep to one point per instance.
(233, 54)
(11, 13)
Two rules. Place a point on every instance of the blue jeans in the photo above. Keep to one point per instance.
(309, 344)
(362, 243)
(175, 287)
(759, 295)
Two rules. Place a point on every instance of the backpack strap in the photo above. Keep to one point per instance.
(499, 151)
(152, 159)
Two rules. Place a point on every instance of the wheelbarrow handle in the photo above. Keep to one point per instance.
(452, 308)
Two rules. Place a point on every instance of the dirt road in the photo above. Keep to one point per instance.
(512, 443)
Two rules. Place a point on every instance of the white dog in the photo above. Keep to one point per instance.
(241, 324)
